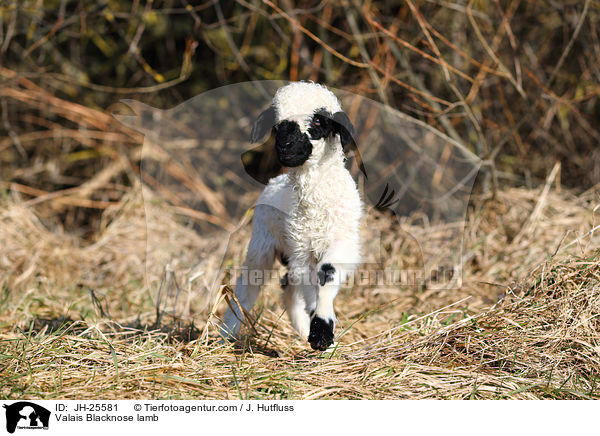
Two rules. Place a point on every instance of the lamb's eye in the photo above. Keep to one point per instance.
(317, 122)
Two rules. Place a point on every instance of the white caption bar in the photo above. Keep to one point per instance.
(89, 418)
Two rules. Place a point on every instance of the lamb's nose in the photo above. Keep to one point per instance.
(284, 146)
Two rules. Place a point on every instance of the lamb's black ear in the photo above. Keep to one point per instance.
(263, 124)
(344, 127)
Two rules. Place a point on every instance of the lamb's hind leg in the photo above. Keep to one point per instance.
(298, 301)
(258, 265)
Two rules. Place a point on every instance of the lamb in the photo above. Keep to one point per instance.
(307, 217)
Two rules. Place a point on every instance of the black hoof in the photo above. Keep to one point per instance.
(321, 334)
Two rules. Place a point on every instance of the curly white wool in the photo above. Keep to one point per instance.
(300, 99)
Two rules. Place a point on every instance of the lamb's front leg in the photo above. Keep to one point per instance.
(331, 273)
(323, 317)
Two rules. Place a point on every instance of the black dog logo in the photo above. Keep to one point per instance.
(26, 415)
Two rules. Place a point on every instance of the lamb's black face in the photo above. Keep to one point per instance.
(293, 147)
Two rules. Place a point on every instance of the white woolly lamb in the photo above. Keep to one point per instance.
(307, 217)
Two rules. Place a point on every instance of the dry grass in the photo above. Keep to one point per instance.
(81, 315)
(77, 320)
